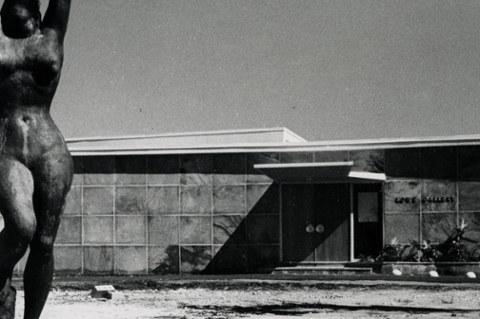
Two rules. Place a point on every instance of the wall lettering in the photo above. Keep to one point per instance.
(432, 199)
(425, 199)
(405, 200)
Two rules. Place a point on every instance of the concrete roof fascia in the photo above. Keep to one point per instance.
(284, 147)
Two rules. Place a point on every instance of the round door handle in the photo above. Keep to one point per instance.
(310, 228)
(320, 228)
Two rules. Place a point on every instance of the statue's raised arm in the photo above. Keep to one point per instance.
(36, 168)
(56, 17)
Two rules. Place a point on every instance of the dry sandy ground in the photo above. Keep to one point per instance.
(368, 301)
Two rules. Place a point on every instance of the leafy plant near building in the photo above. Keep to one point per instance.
(454, 249)
(394, 251)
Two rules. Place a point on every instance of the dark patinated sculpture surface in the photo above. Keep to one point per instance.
(35, 166)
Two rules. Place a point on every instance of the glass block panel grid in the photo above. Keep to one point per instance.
(166, 214)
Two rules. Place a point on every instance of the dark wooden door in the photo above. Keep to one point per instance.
(332, 228)
(298, 206)
(316, 222)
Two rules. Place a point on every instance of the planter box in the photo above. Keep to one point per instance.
(422, 268)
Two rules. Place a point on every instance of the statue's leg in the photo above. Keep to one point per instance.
(7, 309)
(52, 183)
(16, 189)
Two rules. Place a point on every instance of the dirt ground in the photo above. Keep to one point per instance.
(264, 299)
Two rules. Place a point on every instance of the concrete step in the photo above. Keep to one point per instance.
(314, 263)
(321, 269)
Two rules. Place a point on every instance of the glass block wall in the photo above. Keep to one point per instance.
(169, 215)
(429, 191)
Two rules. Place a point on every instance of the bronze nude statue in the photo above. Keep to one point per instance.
(35, 166)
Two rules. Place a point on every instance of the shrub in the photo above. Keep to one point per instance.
(454, 249)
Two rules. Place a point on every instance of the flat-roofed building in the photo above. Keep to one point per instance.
(248, 201)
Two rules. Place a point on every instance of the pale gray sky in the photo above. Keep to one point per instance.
(327, 69)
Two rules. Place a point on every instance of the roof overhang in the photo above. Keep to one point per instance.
(316, 172)
(79, 148)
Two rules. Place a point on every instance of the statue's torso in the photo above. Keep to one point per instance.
(29, 74)
(29, 66)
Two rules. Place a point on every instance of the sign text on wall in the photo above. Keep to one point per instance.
(426, 199)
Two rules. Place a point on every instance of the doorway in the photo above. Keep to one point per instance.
(316, 222)
(368, 229)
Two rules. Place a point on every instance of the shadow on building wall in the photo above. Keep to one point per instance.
(228, 217)
(253, 245)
